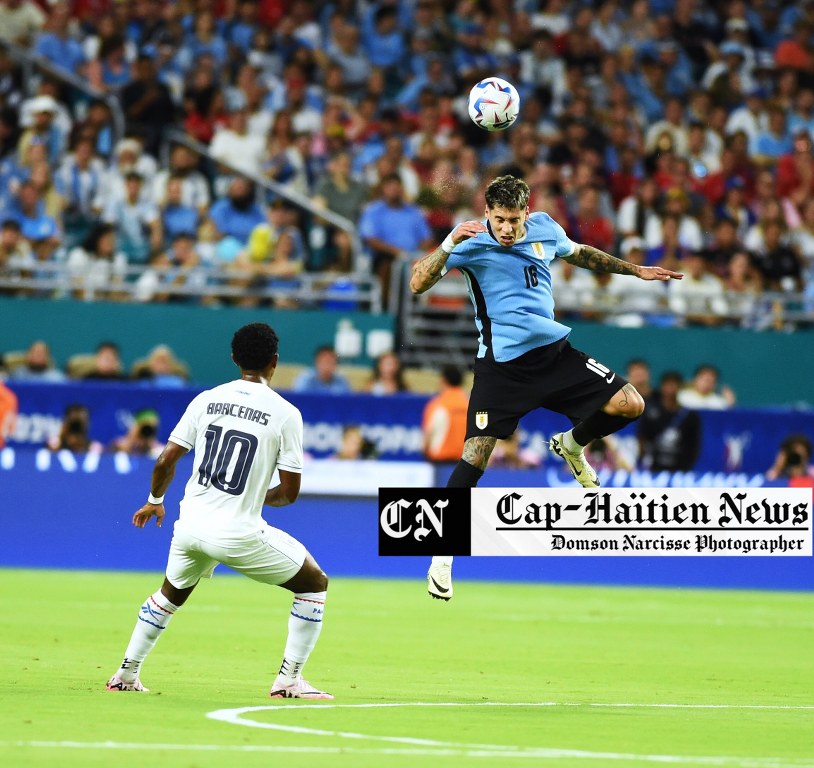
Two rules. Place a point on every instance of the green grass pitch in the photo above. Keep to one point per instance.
(504, 675)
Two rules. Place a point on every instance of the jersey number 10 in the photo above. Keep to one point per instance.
(227, 459)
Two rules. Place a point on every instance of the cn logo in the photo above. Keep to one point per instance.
(396, 518)
(424, 521)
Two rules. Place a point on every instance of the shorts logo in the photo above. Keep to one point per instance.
(602, 370)
(481, 419)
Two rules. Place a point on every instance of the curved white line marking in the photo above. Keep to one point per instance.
(235, 716)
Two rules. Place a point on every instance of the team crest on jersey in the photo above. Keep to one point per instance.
(538, 250)
(481, 419)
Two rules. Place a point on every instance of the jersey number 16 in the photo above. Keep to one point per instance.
(530, 273)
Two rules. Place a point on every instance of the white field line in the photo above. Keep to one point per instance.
(236, 717)
(719, 761)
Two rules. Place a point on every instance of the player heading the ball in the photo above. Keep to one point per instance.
(524, 359)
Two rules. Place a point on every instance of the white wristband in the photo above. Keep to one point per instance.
(448, 246)
(155, 499)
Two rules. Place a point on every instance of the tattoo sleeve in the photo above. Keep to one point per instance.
(477, 451)
(592, 258)
(427, 271)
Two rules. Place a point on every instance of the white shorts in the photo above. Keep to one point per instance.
(270, 556)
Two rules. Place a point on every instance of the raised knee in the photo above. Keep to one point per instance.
(635, 406)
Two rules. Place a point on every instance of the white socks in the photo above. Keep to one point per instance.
(154, 615)
(442, 560)
(304, 626)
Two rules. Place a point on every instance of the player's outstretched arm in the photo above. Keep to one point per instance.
(427, 271)
(163, 472)
(286, 492)
(592, 258)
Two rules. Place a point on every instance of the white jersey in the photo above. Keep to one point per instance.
(241, 432)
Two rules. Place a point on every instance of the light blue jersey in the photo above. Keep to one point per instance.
(510, 287)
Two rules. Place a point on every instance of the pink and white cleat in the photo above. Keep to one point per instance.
(117, 684)
(301, 689)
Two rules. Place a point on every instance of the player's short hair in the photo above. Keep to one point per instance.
(254, 346)
(507, 192)
(452, 375)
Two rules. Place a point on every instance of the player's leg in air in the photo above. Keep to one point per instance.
(622, 409)
(468, 471)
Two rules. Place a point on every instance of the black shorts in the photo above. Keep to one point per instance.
(556, 376)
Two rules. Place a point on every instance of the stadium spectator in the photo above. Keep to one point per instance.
(795, 171)
(16, 258)
(670, 253)
(236, 147)
(107, 363)
(323, 378)
(702, 392)
(669, 433)
(392, 229)
(778, 264)
(638, 213)
(128, 157)
(38, 366)
(56, 42)
(282, 161)
(339, 192)
(147, 103)
(443, 421)
(272, 259)
(96, 266)
(194, 187)
(793, 461)
(637, 372)
(176, 274)
(237, 214)
(387, 377)
(74, 432)
(700, 298)
(354, 445)
(43, 128)
(773, 141)
(53, 200)
(81, 175)
(20, 21)
(142, 437)
(161, 369)
(508, 454)
(177, 218)
(136, 220)
(723, 247)
(9, 409)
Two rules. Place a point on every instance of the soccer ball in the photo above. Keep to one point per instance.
(494, 104)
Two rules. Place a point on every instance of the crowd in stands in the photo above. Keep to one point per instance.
(677, 132)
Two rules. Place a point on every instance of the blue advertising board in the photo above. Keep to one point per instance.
(66, 511)
(738, 441)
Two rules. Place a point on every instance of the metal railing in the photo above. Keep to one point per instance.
(175, 136)
(438, 327)
(31, 62)
(210, 285)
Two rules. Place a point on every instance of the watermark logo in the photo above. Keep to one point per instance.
(424, 521)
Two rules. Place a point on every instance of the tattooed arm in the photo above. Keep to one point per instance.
(592, 258)
(428, 270)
